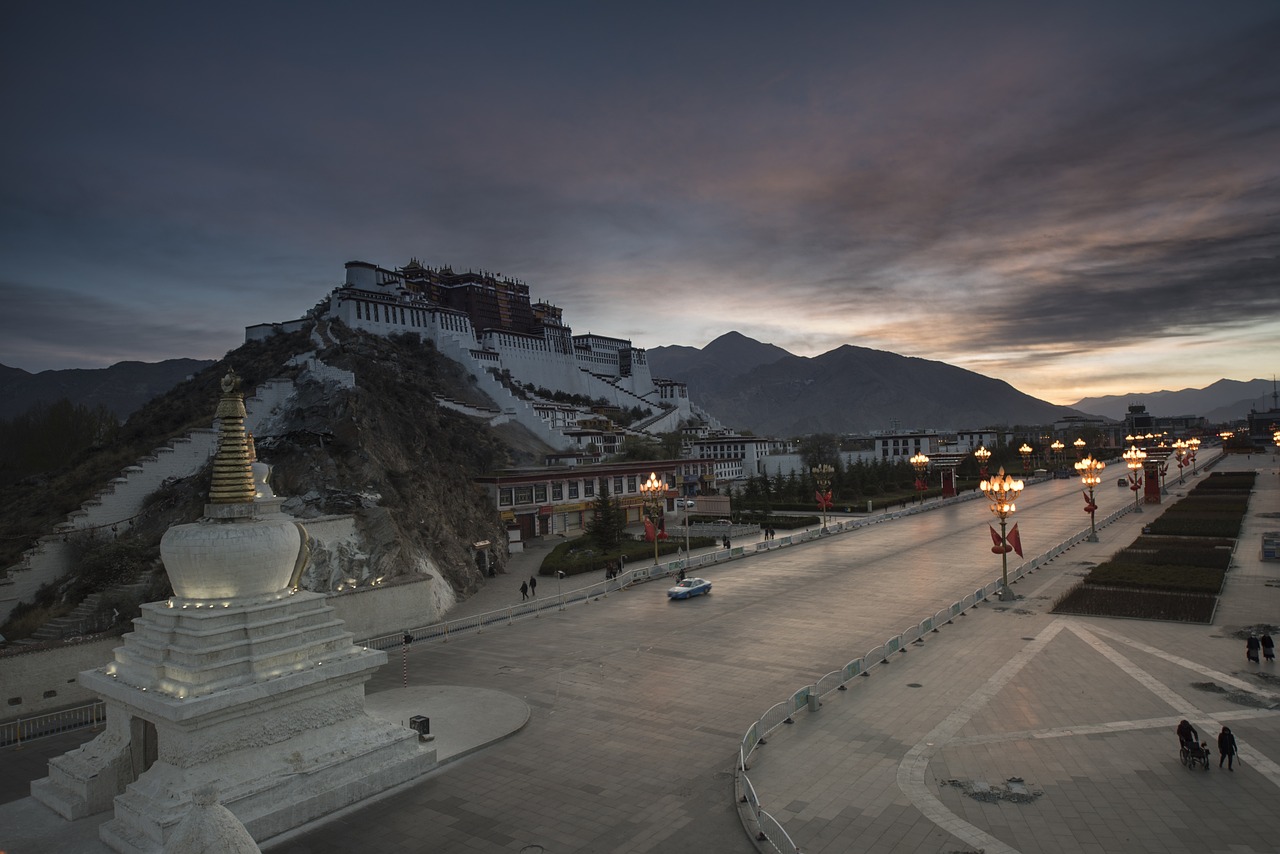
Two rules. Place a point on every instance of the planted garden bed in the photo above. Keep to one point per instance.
(1175, 570)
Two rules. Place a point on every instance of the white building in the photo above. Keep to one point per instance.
(893, 446)
(487, 323)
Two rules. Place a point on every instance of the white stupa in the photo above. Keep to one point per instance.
(239, 683)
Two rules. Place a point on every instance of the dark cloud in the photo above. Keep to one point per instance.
(833, 173)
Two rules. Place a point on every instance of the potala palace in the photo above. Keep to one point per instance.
(520, 352)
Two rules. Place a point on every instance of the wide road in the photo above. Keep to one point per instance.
(639, 703)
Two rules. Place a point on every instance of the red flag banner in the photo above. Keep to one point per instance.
(648, 530)
(995, 538)
(824, 500)
(1089, 506)
(662, 528)
(1015, 540)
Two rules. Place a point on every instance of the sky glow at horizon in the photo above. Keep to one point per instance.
(1078, 199)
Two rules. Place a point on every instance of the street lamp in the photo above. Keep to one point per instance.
(982, 455)
(1002, 491)
(1180, 454)
(651, 496)
(1025, 450)
(920, 463)
(1194, 443)
(1133, 458)
(1091, 475)
(822, 477)
(1079, 446)
(1057, 447)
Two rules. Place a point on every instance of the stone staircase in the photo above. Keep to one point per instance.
(85, 618)
(111, 512)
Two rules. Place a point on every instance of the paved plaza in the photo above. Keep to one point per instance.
(1009, 730)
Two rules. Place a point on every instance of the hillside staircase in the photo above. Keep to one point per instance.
(111, 512)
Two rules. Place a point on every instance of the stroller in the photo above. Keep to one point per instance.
(1192, 754)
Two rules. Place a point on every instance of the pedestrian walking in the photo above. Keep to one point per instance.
(1251, 647)
(1227, 748)
(524, 590)
(1268, 647)
(533, 586)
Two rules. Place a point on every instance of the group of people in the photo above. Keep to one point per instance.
(768, 533)
(1190, 739)
(1264, 643)
(529, 588)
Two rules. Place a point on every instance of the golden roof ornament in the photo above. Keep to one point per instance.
(232, 466)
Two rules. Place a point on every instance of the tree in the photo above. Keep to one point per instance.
(819, 448)
(640, 448)
(608, 519)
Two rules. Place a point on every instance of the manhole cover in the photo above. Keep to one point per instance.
(914, 685)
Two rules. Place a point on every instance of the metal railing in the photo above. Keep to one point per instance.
(25, 729)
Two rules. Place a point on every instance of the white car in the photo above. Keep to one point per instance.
(685, 502)
(689, 587)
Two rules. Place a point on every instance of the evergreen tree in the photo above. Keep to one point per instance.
(608, 520)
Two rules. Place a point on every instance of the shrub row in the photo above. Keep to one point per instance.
(1209, 558)
(1153, 576)
(574, 557)
(1099, 601)
(1197, 526)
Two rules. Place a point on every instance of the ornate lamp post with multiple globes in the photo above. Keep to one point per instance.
(1194, 444)
(1026, 450)
(920, 463)
(822, 477)
(1091, 475)
(1134, 458)
(651, 494)
(982, 455)
(1057, 447)
(1002, 491)
(1180, 454)
(1079, 445)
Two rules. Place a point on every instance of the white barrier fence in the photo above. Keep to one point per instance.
(24, 729)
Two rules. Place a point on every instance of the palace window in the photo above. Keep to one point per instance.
(524, 495)
(540, 493)
(557, 492)
(504, 497)
(573, 489)
(588, 489)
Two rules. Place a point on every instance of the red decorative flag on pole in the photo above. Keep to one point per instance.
(998, 546)
(1015, 540)
(648, 530)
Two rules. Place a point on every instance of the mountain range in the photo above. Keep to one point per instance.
(122, 388)
(765, 389)
(1225, 400)
(769, 391)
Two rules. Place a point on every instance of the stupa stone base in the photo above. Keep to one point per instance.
(263, 700)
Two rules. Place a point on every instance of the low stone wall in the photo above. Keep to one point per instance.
(45, 680)
(371, 611)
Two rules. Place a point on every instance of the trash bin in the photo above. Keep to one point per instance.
(421, 724)
(813, 701)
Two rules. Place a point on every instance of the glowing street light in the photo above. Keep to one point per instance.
(920, 463)
(1194, 444)
(1091, 475)
(1026, 450)
(651, 496)
(1134, 458)
(822, 477)
(1080, 445)
(1057, 447)
(982, 455)
(1180, 454)
(1002, 491)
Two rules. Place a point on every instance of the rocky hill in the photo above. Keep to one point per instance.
(383, 451)
(765, 389)
(122, 388)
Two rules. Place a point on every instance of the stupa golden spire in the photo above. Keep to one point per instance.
(232, 466)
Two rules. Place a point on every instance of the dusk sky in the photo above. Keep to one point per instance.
(1079, 198)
